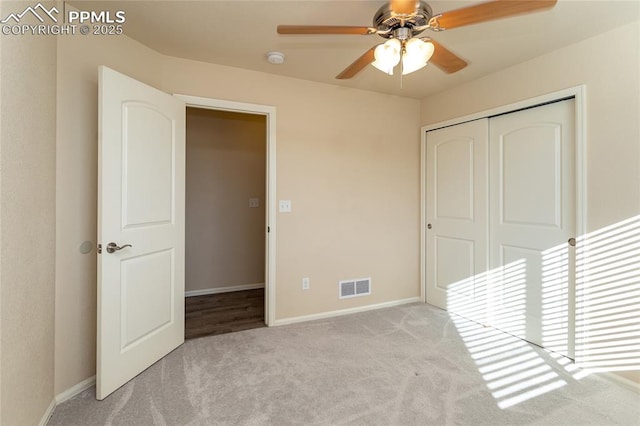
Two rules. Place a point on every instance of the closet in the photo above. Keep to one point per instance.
(500, 214)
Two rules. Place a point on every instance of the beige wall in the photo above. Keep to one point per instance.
(348, 159)
(609, 66)
(27, 226)
(226, 164)
(76, 185)
(351, 169)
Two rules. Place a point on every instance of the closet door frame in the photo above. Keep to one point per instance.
(578, 93)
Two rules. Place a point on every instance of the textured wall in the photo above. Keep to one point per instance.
(27, 225)
(226, 165)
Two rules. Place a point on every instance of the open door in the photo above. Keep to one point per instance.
(141, 181)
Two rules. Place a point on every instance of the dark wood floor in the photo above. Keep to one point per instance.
(223, 313)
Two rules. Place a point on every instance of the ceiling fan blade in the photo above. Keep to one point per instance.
(489, 11)
(324, 29)
(358, 65)
(444, 59)
(403, 7)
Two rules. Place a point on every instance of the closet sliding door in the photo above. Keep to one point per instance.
(532, 217)
(500, 211)
(456, 214)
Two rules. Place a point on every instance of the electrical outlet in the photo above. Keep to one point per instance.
(305, 283)
(284, 206)
(254, 202)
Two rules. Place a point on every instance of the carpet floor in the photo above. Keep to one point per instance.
(407, 365)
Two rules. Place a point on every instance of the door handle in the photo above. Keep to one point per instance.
(113, 247)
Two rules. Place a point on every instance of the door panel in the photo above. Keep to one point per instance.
(454, 179)
(448, 274)
(532, 214)
(522, 151)
(456, 210)
(141, 181)
(141, 314)
(148, 151)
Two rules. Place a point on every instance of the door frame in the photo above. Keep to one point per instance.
(576, 92)
(270, 238)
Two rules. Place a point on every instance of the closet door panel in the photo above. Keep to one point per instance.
(456, 214)
(532, 215)
(530, 194)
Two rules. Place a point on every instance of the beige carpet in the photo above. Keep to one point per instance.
(408, 365)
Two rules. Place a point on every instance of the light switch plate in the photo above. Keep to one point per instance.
(284, 206)
(254, 202)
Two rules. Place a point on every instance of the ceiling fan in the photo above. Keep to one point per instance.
(400, 21)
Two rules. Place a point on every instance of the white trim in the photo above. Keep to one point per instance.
(65, 396)
(340, 312)
(75, 390)
(579, 94)
(48, 413)
(621, 381)
(576, 91)
(270, 239)
(423, 216)
(228, 289)
(581, 211)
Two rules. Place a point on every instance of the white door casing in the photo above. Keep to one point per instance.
(532, 216)
(141, 181)
(456, 213)
(270, 191)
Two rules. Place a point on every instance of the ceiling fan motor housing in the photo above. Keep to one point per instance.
(387, 22)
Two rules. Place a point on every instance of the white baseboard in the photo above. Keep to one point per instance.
(65, 395)
(75, 390)
(622, 381)
(47, 414)
(330, 314)
(229, 289)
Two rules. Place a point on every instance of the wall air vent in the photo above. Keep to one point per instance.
(355, 287)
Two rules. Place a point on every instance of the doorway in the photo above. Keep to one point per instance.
(226, 159)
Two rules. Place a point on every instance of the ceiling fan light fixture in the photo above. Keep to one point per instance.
(409, 66)
(385, 68)
(416, 55)
(387, 55)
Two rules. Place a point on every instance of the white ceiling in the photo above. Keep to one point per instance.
(239, 33)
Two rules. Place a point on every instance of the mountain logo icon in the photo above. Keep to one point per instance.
(39, 11)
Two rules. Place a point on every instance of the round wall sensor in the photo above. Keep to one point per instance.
(275, 57)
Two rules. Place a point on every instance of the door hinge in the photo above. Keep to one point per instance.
(99, 248)
(268, 229)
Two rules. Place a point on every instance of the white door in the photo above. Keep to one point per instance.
(456, 214)
(140, 203)
(532, 217)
